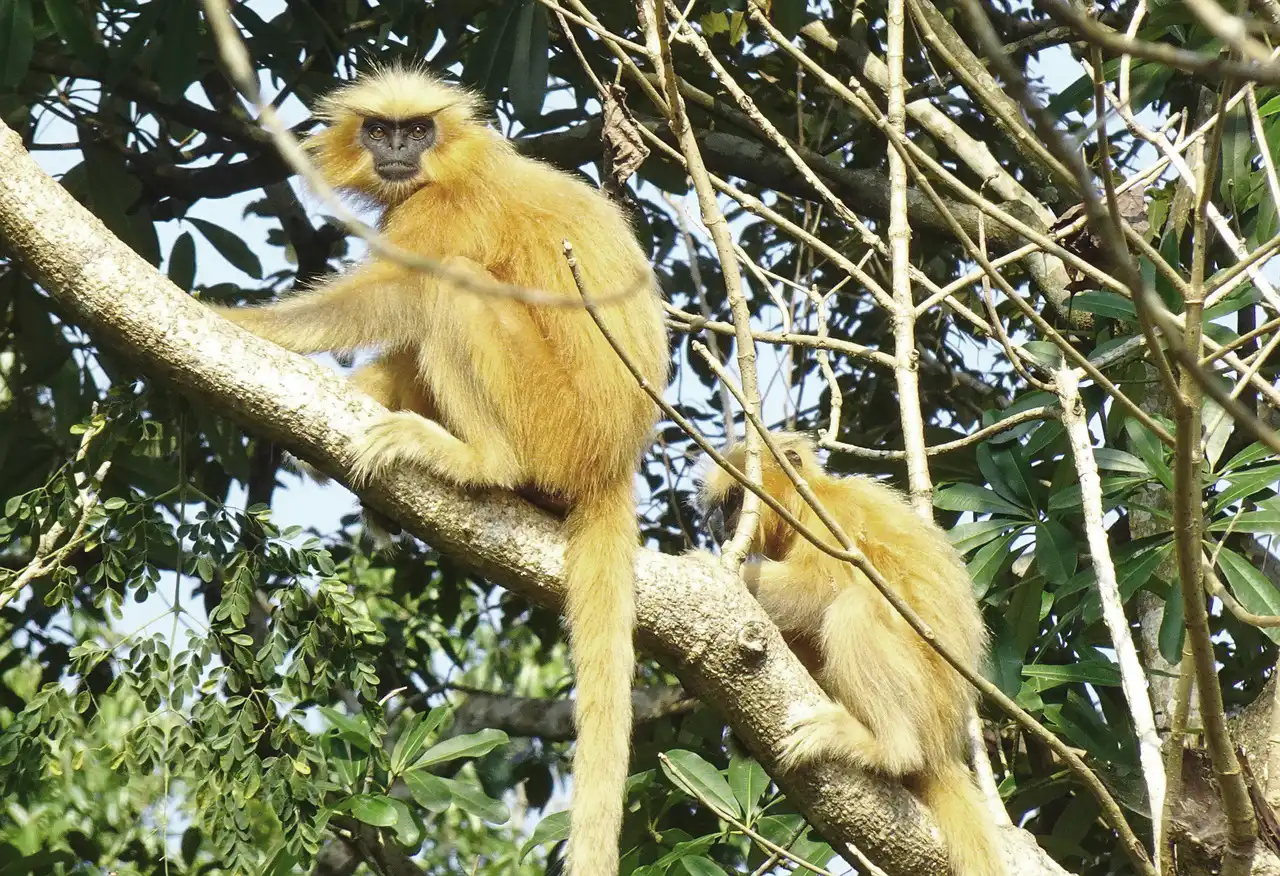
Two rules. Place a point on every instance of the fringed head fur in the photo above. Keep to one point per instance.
(720, 491)
(397, 95)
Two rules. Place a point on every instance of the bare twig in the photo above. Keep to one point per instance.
(736, 550)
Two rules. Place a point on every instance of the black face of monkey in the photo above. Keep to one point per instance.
(396, 145)
(723, 519)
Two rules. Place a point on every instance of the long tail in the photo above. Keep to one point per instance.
(602, 537)
(968, 831)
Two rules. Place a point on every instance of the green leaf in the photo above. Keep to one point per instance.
(748, 781)
(372, 809)
(1105, 304)
(971, 497)
(788, 16)
(1008, 475)
(967, 536)
(689, 771)
(471, 799)
(230, 247)
(528, 81)
(17, 40)
(1084, 672)
(1134, 572)
(1110, 459)
(1265, 519)
(411, 741)
(470, 745)
(177, 63)
(354, 730)
(987, 562)
(1247, 483)
(408, 833)
(1251, 454)
(551, 829)
(1173, 628)
(429, 791)
(1056, 554)
(73, 27)
(182, 261)
(1253, 589)
(113, 192)
(700, 866)
(488, 61)
(1150, 450)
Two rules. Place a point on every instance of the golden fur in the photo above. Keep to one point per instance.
(520, 396)
(903, 709)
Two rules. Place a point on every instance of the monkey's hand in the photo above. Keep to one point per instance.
(406, 438)
(398, 438)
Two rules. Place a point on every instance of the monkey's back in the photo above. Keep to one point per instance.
(917, 558)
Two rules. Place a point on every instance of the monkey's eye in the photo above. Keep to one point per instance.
(377, 132)
(418, 131)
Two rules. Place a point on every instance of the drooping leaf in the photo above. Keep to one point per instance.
(74, 27)
(17, 40)
(748, 781)
(528, 81)
(688, 769)
(971, 497)
(1253, 589)
(230, 246)
(469, 745)
(1056, 552)
(551, 829)
(182, 261)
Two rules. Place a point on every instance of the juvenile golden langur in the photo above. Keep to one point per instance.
(902, 709)
(490, 391)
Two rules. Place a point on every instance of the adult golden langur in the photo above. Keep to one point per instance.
(489, 391)
(902, 708)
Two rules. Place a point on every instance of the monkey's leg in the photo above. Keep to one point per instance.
(470, 370)
(871, 667)
(370, 306)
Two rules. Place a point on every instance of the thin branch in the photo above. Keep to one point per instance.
(1132, 679)
(736, 550)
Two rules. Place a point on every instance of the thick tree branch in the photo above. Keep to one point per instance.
(697, 619)
(552, 720)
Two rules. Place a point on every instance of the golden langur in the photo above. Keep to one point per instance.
(902, 709)
(489, 391)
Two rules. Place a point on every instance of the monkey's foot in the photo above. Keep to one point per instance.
(396, 438)
(827, 731)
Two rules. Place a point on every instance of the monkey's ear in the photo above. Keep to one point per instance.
(794, 457)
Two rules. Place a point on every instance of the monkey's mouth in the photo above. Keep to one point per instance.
(396, 171)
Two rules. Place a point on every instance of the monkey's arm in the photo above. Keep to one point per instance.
(369, 306)
(790, 592)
